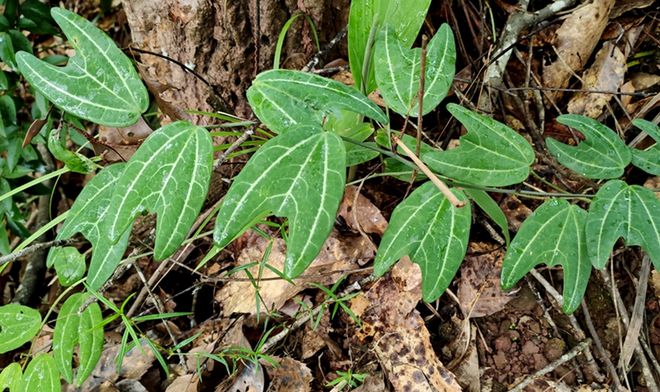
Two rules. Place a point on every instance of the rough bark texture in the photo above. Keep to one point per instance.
(219, 40)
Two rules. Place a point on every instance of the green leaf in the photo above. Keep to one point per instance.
(76, 162)
(99, 84)
(18, 325)
(649, 159)
(69, 264)
(405, 17)
(601, 155)
(398, 71)
(90, 331)
(168, 175)
(7, 54)
(283, 99)
(553, 234)
(426, 227)
(74, 327)
(65, 335)
(622, 210)
(299, 175)
(490, 154)
(88, 216)
(41, 375)
(12, 378)
(491, 208)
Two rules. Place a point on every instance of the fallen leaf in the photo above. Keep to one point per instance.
(289, 375)
(479, 290)
(401, 341)
(130, 385)
(339, 254)
(119, 144)
(605, 74)
(185, 383)
(575, 40)
(361, 214)
(374, 382)
(515, 211)
(467, 370)
(250, 379)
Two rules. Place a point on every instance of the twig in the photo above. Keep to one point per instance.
(35, 248)
(223, 157)
(599, 347)
(324, 51)
(553, 365)
(424, 169)
(637, 317)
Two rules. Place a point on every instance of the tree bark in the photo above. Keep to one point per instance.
(225, 42)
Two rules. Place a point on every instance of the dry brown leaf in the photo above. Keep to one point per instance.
(363, 215)
(575, 40)
(185, 383)
(119, 144)
(623, 6)
(130, 385)
(401, 341)
(479, 290)
(289, 375)
(249, 379)
(374, 382)
(467, 370)
(339, 254)
(515, 211)
(605, 74)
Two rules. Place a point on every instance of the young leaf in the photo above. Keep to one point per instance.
(12, 378)
(553, 234)
(18, 324)
(65, 335)
(490, 207)
(398, 71)
(168, 175)
(41, 375)
(98, 84)
(76, 162)
(426, 227)
(602, 154)
(649, 159)
(69, 264)
(490, 154)
(299, 175)
(622, 210)
(283, 99)
(405, 17)
(88, 216)
(72, 328)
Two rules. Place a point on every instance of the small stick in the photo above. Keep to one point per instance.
(553, 365)
(223, 157)
(424, 169)
(599, 347)
(637, 317)
(35, 248)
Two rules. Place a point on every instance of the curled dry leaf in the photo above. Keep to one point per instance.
(402, 343)
(575, 40)
(605, 74)
(250, 378)
(289, 375)
(119, 144)
(185, 383)
(479, 290)
(339, 254)
(361, 214)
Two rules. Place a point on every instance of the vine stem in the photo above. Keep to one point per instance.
(34, 248)
(424, 169)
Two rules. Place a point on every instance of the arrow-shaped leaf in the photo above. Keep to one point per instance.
(490, 154)
(398, 71)
(11, 378)
(168, 175)
(432, 232)
(649, 159)
(283, 99)
(300, 175)
(98, 84)
(622, 210)
(553, 234)
(18, 324)
(88, 216)
(405, 17)
(41, 375)
(602, 154)
(72, 328)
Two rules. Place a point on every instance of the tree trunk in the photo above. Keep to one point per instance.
(219, 41)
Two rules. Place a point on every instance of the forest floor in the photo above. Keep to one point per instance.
(336, 328)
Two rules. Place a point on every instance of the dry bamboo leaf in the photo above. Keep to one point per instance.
(575, 41)
(605, 74)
